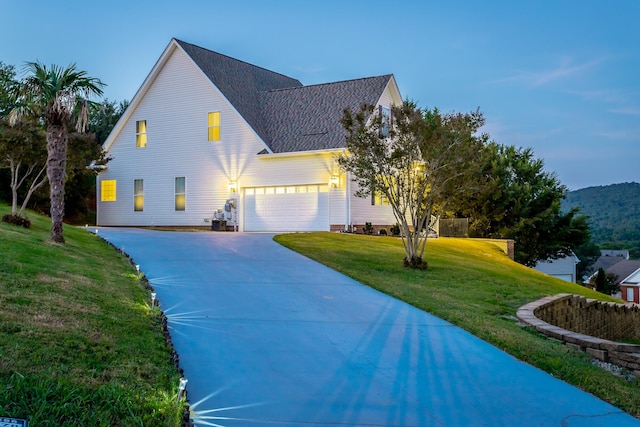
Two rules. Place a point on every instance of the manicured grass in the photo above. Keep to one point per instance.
(476, 286)
(79, 344)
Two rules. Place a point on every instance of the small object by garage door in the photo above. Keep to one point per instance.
(219, 225)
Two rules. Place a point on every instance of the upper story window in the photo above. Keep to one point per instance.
(138, 195)
(213, 126)
(108, 190)
(181, 193)
(385, 115)
(141, 133)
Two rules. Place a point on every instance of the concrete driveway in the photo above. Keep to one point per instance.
(267, 337)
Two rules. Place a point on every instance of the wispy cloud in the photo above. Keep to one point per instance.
(629, 111)
(566, 68)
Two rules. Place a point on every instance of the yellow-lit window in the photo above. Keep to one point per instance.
(213, 124)
(181, 193)
(138, 195)
(108, 190)
(379, 199)
(141, 133)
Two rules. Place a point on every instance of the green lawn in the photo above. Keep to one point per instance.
(79, 344)
(475, 286)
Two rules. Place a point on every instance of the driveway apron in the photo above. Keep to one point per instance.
(267, 337)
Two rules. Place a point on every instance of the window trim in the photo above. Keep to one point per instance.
(138, 195)
(141, 133)
(213, 126)
(385, 120)
(177, 194)
(108, 190)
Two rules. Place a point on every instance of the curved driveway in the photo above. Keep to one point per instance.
(267, 337)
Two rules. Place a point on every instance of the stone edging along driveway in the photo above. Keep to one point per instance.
(622, 354)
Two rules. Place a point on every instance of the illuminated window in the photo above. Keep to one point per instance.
(138, 195)
(213, 124)
(377, 198)
(181, 193)
(108, 190)
(141, 133)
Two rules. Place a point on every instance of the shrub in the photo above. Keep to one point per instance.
(16, 220)
(368, 228)
(382, 232)
(416, 262)
(395, 229)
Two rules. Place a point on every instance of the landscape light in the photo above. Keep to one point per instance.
(182, 387)
(153, 299)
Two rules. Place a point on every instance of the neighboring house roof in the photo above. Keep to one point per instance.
(632, 280)
(240, 82)
(605, 262)
(307, 118)
(624, 269)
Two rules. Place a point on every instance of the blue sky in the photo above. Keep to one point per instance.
(561, 77)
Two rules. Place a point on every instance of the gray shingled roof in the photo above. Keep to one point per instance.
(240, 82)
(288, 116)
(623, 269)
(308, 118)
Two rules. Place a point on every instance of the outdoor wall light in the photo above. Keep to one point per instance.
(182, 386)
(335, 180)
(137, 268)
(153, 299)
(233, 186)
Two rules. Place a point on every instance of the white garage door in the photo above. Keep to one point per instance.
(290, 208)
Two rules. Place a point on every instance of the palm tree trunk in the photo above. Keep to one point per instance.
(56, 172)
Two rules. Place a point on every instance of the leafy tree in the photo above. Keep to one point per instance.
(55, 94)
(605, 282)
(416, 160)
(23, 150)
(519, 200)
(7, 88)
(104, 117)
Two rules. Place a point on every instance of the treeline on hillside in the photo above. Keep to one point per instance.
(613, 212)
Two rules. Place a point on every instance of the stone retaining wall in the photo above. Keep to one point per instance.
(589, 325)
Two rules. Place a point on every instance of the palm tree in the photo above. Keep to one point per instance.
(55, 94)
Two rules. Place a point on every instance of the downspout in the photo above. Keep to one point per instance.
(347, 224)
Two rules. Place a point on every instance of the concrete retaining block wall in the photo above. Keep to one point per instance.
(589, 325)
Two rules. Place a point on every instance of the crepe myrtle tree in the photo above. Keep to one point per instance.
(414, 157)
(56, 95)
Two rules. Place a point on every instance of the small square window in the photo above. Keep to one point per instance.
(141, 133)
(108, 190)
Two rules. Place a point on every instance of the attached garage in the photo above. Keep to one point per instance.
(286, 208)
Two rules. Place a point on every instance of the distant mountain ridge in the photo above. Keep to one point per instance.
(614, 214)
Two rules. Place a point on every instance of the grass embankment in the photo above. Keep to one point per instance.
(79, 344)
(476, 286)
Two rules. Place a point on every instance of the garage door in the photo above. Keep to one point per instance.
(290, 208)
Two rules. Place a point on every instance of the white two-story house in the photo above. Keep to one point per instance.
(211, 137)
